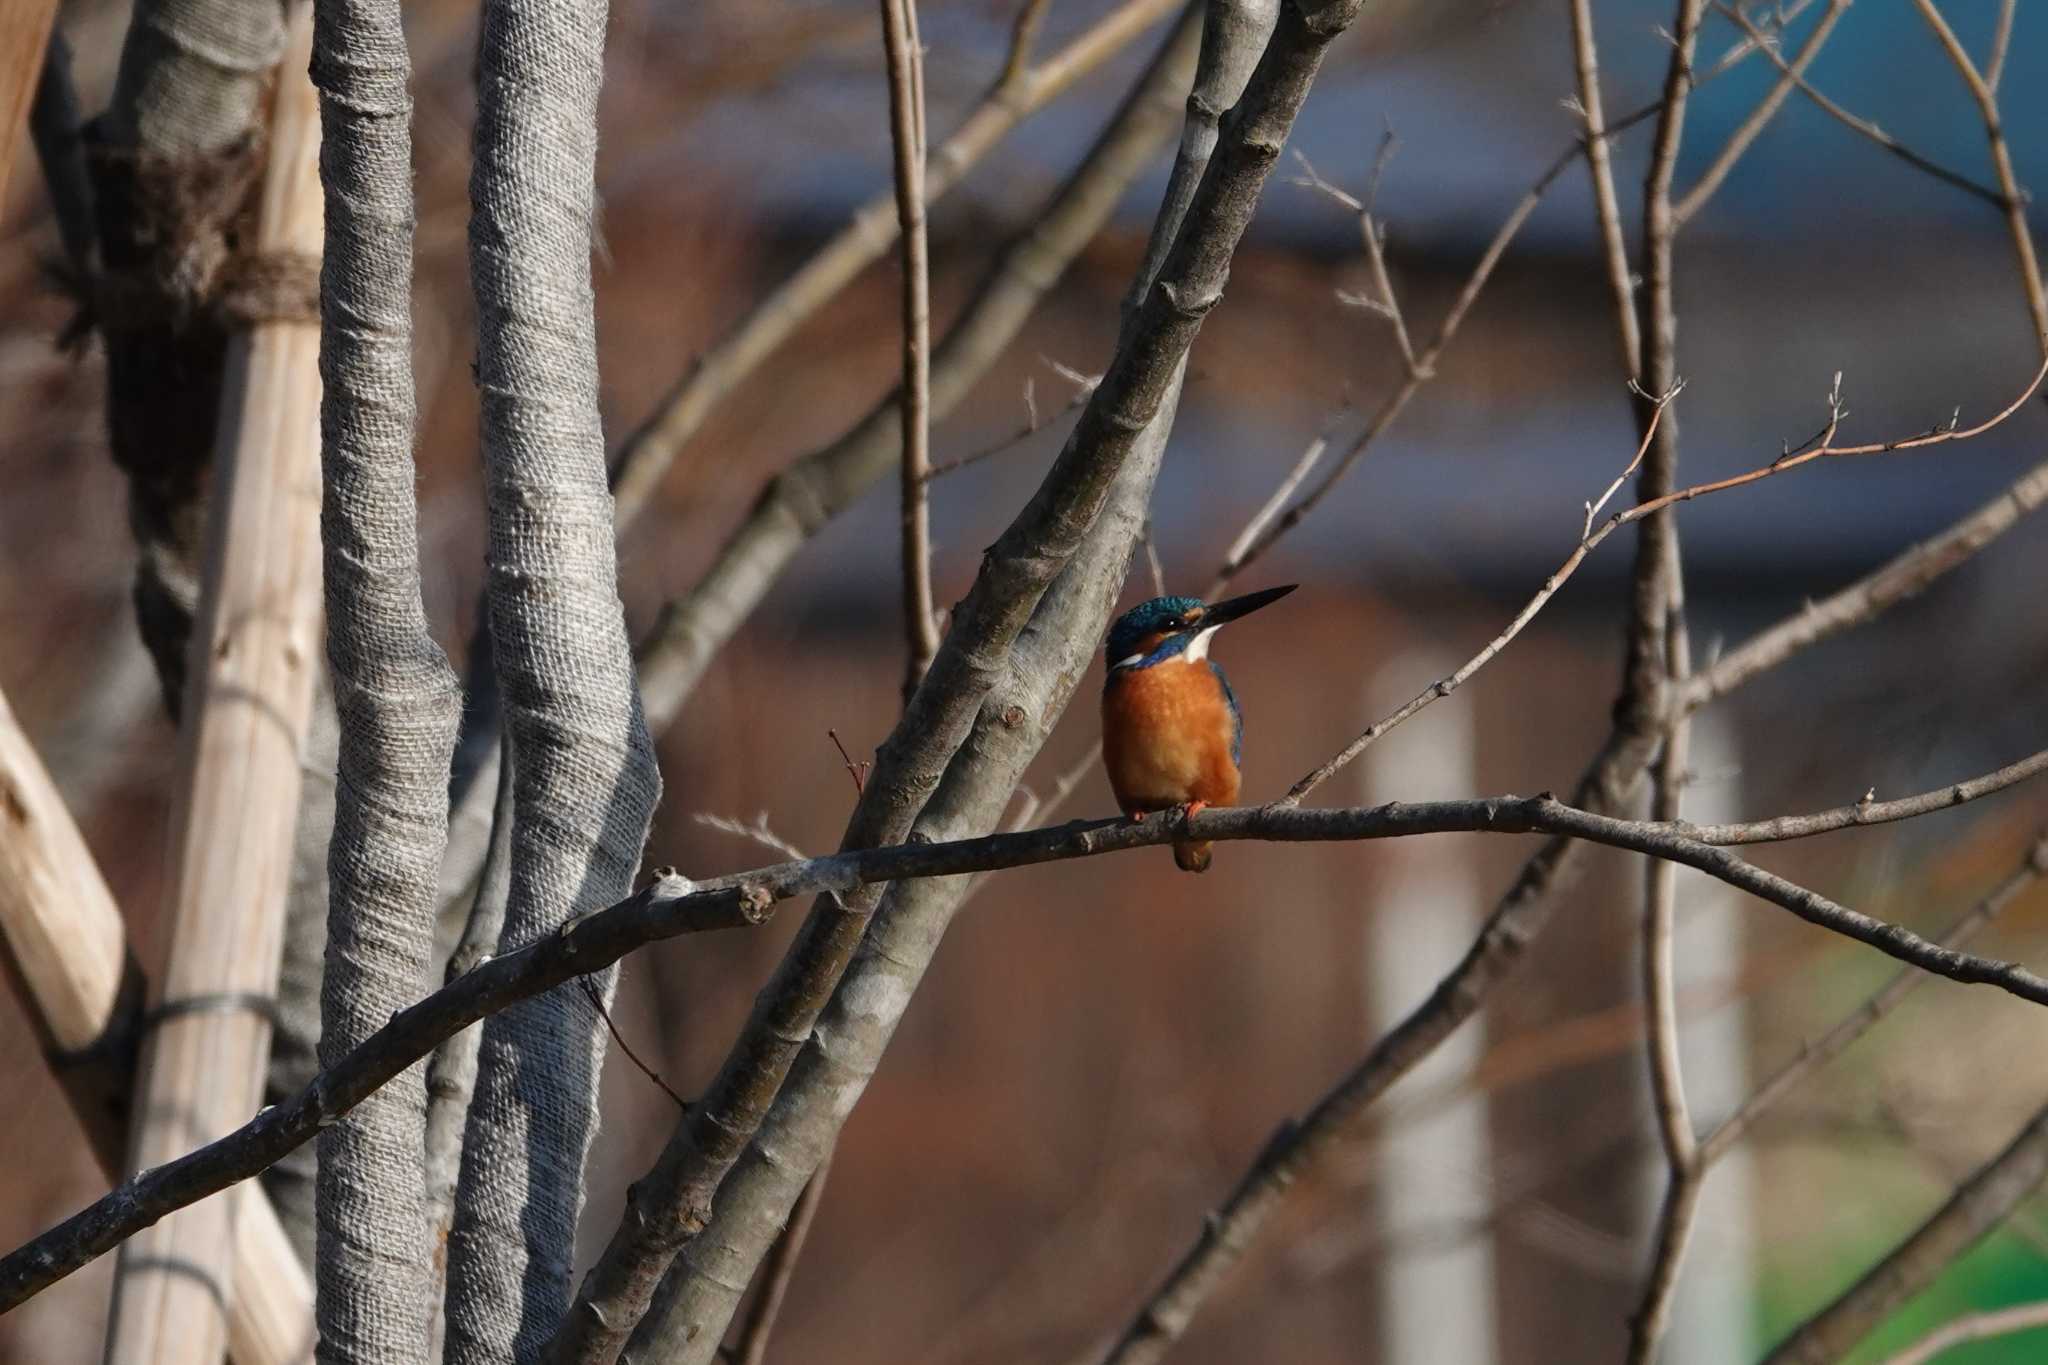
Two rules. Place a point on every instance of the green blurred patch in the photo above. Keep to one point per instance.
(2004, 1270)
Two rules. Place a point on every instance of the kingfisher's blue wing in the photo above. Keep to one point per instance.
(1236, 714)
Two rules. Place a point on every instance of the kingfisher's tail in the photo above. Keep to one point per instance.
(1191, 856)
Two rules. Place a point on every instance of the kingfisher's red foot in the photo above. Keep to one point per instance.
(1192, 809)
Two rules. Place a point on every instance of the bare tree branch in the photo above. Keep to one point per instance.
(803, 498)
(1995, 1322)
(2001, 163)
(1021, 91)
(2001, 44)
(1759, 118)
(1902, 577)
(779, 1269)
(906, 126)
(1685, 1172)
(1648, 510)
(1979, 1204)
(1863, 126)
(672, 906)
(1271, 526)
(1606, 205)
(1274, 525)
(1861, 1020)
(670, 1207)
(451, 1071)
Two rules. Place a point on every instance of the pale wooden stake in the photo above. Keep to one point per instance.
(24, 32)
(65, 941)
(68, 948)
(256, 647)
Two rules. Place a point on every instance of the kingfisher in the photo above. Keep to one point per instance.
(1172, 733)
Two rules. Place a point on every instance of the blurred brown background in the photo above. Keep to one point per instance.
(1102, 1047)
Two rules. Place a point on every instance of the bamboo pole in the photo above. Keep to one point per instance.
(256, 646)
(65, 944)
(24, 32)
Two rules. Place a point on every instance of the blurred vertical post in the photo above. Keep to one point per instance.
(256, 648)
(1712, 1317)
(1436, 1293)
(24, 33)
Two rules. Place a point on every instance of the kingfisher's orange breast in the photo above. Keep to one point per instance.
(1167, 734)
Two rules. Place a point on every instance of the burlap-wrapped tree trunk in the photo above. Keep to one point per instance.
(585, 778)
(395, 695)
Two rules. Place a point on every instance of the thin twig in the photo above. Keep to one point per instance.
(1244, 553)
(857, 771)
(1025, 88)
(1248, 548)
(1031, 427)
(2001, 44)
(1871, 811)
(2001, 164)
(1657, 656)
(1607, 208)
(1152, 561)
(1822, 448)
(1767, 108)
(1034, 809)
(1995, 1322)
(1443, 687)
(1311, 456)
(1023, 33)
(1382, 301)
(759, 832)
(1862, 126)
(906, 123)
(596, 999)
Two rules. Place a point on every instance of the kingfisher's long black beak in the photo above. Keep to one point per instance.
(1235, 607)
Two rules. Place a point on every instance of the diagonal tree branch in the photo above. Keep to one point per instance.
(803, 498)
(1863, 126)
(1979, 1204)
(1650, 510)
(1752, 127)
(2015, 199)
(1021, 91)
(672, 906)
(1861, 1020)
(755, 554)
(701, 1291)
(672, 1204)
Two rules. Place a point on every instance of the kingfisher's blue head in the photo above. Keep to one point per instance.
(1170, 627)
